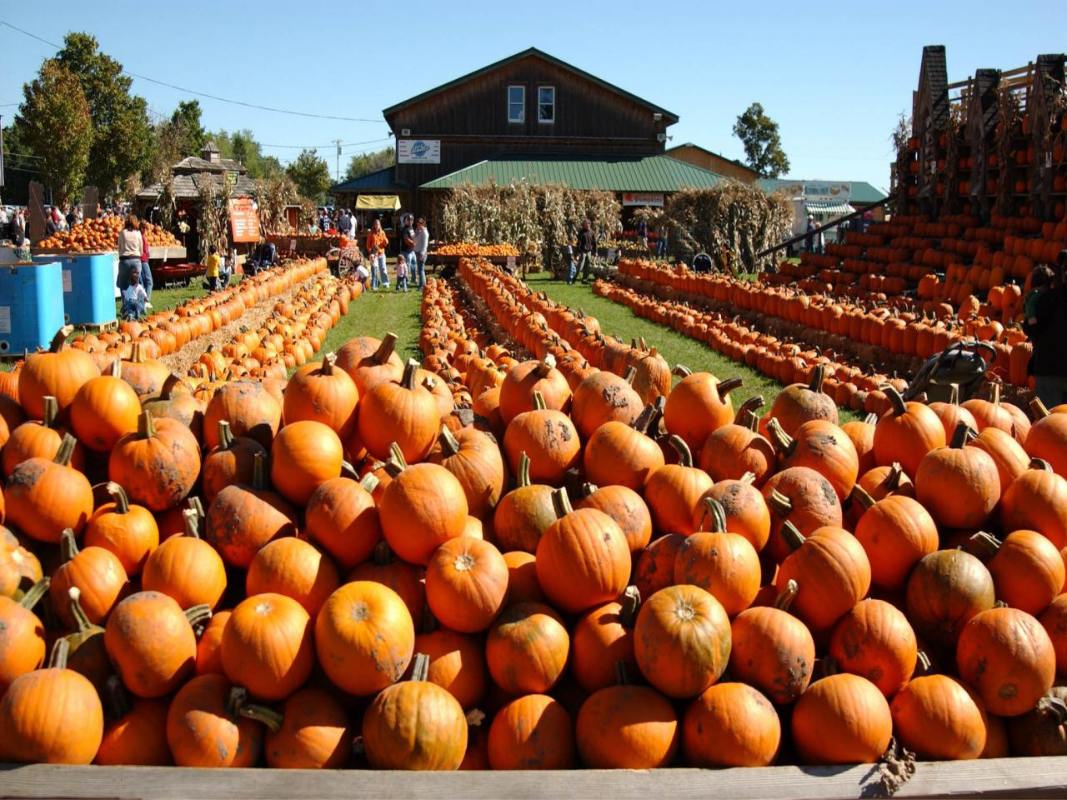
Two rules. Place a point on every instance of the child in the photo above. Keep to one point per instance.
(134, 298)
(1040, 281)
(401, 272)
(214, 267)
(362, 275)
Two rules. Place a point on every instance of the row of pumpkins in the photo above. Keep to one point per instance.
(349, 574)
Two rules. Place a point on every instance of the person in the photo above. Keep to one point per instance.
(1047, 330)
(344, 223)
(130, 246)
(50, 226)
(134, 298)
(264, 256)
(407, 242)
(586, 248)
(403, 267)
(362, 275)
(422, 247)
(642, 233)
(214, 266)
(1040, 282)
(146, 269)
(568, 255)
(810, 240)
(702, 263)
(376, 242)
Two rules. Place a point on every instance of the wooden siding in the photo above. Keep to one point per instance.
(705, 159)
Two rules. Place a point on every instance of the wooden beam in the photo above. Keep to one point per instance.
(1009, 778)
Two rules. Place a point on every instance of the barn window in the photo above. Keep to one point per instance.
(516, 104)
(546, 104)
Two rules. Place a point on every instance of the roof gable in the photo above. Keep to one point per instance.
(720, 156)
(532, 52)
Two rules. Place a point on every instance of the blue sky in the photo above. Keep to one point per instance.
(835, 77)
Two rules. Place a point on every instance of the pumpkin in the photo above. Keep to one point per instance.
(626, 727)
(604, 397)
(1037, 501)
(364, 637)
(1006, 656)
(104, 410)
(698, 405)
(525, 380)
(673, 491)
(737, 449)
(841, 719)
(831, 570)
(22, 642)
(876, 641)
(522, 578)
(231, 462)
(209, 647)
(304, 454)
(466, 582)
(341, 517)
(88, 655)
(474, 458)
(958, 485)
(423, 507)
(524, 513)
(45, 497)
(532, 732)
(267, 647)
(805, 499)
(937, 718)
(209, 725)
(51, 715)
(602, 638)
(250, 409)
(730, 725)
(1007, 454)
(895, 532)
(241, 519)
(547, 437)
(990, 413)
(415, 724)
(626, 507)
(861, 432)
(821, 446)
(186, 568)
(1047, 438)
(58, 372)
(322, 393)
(401, 412)
(369, 361)
(175, 401)
(907, 433)
(682, 640)
(743, 507)
(314, 733)
(952, 414)
(945, 590)
(294, 568)
(145, 374)
(773, 650)
(1027, 569)
(128, 531)
(158, 464)
(798, 403)
(1043, 730)
(617, 453)
(403, 578)
(655, 566)
(720, 562)
(35, 440)
(1054, 620)
(137, 737)
(151, 642)
(96, 572)
(526, 649)
(583, 558)
(457, 664)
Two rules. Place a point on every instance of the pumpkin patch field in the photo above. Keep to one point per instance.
(538, 547)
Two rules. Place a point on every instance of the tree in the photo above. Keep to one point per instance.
(311, 175)
(55, 125)
(122, 136)
(365, 163)
(242, 146)
(763, 145)
(191, 133)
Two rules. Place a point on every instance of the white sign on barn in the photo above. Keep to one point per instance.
(418, 151)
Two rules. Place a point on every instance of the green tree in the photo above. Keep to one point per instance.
(763, 145)
(191, 133)
(55, 126)
(242, 146)
(122, 136)
(311, 175)
(365, 163)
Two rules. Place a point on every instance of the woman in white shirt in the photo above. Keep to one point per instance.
(130, 244)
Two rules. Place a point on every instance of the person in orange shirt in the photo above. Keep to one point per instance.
(376, 242)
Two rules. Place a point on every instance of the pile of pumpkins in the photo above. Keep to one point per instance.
(598, 572)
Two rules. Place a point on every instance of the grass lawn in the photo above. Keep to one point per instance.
(378, 313)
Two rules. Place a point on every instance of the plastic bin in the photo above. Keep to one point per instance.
(31, 305)
(88, 286)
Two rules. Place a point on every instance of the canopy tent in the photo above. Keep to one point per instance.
(836, 208)
(378, 202)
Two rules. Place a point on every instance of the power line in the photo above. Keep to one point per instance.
(207, 95)
(329, 144)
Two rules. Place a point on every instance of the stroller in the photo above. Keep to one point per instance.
(963, 365)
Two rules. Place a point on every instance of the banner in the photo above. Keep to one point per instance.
(244, 221)
(825, 191)
(418, 151)
(650, 199)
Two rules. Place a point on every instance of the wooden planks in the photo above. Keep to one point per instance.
(1016, 777)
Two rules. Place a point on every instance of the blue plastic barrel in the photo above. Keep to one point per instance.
(31, 305)
(88, 286)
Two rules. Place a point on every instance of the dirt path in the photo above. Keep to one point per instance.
(180, 362)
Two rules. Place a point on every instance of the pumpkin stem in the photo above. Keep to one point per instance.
(725, 387)
(983, 545)
(588, 489)
(34, 594)
(117, 699)
(192, 523)
(119, 497)
(746, 412)
(748, 478)
(448, 440)
(68, 546)
(780, 504)
(561, 503)
(961, 436)
(685, 455)
(396, 463)
(420, 667)
(818, 375)
(259, 471)
(785, 598)
(783, 442)
(146, 427)
(524, 470)
(411, 370)
(60, 338)
(622, 673)
(348, 470)
(647, 421)
(1054, 707)
(385, 349)
(994, 394)
(714, 509)
(861, 497)
(383, 554)
(871, 419)
(925, 665)
(681, 371)
(239, 707)
(66, 450)
(195, 504)
(630, 602)
(225, 435)
(539, 401)
(895, 399)
(895, 476)
(475, 717)
(369, 482)
(198, 615)
(631, 373)
(60, 652)
(51, 411)
(167, 389)
(328, 360)
(1039, 409)
(1041, 464)
(546, 365)
(794, 539)
(954, 394)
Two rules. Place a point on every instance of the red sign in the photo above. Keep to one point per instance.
(244, 221)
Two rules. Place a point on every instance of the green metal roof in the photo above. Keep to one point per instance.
(861, 191)
(382, 180)
(650, 174)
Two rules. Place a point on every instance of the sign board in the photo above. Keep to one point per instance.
(91, 202)
(244, 221)
(651, 199)
(824, 191)
(511, 262)
(418, 151)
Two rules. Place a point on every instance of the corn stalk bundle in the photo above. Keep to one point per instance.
(167, 202)
(213, 213)
(272, 195)
(1009, 125)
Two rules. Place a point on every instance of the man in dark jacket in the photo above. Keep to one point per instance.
(586, 249)
(1048, 334)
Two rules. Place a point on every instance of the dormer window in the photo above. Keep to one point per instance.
(516, 104)
(546, 104)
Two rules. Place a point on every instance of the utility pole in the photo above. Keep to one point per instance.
(337, 173)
